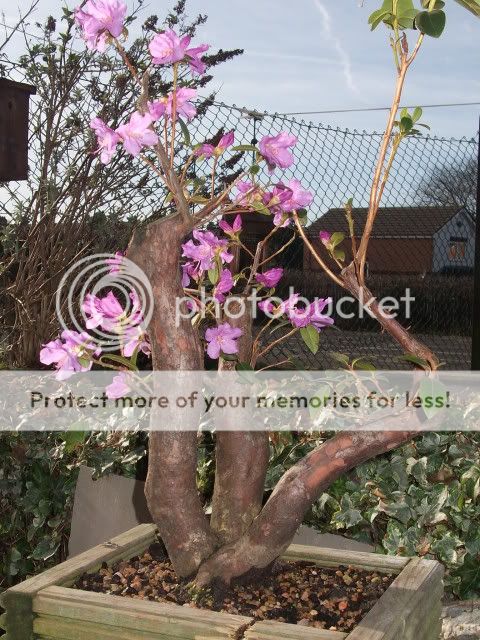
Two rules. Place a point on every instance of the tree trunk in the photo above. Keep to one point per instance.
(241, 457)
(272, 531)
(171, 489)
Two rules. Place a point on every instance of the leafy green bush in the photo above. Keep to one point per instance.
(38, 473)
(423, 499)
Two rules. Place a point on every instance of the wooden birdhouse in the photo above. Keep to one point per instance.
(14, 98)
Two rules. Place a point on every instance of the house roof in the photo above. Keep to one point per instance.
(391, 222)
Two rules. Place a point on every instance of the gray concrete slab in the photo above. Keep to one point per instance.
(106, 507)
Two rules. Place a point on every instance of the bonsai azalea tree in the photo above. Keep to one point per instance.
(194, 248)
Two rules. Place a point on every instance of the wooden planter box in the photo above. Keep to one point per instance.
(45, 608)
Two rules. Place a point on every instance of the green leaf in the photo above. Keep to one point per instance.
(469, 573)
(115, 358)
(72, 439)
(363, 365)
(471, 5)
(342, 358)
(431, 23)
(433, 395)
(244, 366)
(311, 338)
(254, 169)
(410, 357)
(213, 275)
(185, 132)
(245, 147)
(417, 114)
(377, 17)
(261, 208)
(406, 124)
(336, 238)
(339, 254)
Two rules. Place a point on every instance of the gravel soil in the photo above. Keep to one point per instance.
(294, 592)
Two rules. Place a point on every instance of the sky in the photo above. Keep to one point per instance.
(313, 55)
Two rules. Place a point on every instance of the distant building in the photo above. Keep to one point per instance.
(405, 240)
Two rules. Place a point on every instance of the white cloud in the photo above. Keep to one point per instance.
(343, 56)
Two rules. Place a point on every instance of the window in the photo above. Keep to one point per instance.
(457, 248)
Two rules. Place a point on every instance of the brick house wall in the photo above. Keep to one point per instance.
(385, 255)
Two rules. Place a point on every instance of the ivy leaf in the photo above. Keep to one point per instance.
(433, 395)
(446, 548)
(311, 338)
(469, 573)
(431, 23)
(72, 439)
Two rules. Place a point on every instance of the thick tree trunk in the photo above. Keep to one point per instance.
(272, 531)
(171, 489)
(241, 458)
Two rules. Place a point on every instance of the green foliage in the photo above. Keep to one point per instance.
(471, 5)
(431, 23)
(311, 337)
(423, 499)
(397, 14)
(38, 473)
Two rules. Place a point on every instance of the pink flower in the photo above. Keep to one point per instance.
(134, 338)
(271, 277)
(205, 252)
(197, 66)
(317, 319)
(309, 314)
(208, 150)
(222, 339)
(108, 313)
(168, 47)
(281, 219)
(104, 312)
(70, 354)
(299, 197)
(119, 387)
(275, 150)
(98, 18)
(275, 201)
(107, 140)
(205, 150)
(224, 285)
(267, 307)
(233, 229)
(137, 133)
(115, 263)
(164, 107)
(188, 271)
(248, 193)
(324, 237)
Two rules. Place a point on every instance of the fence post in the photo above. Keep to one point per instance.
(476, 279)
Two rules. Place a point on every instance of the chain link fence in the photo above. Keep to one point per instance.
(423, 245)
